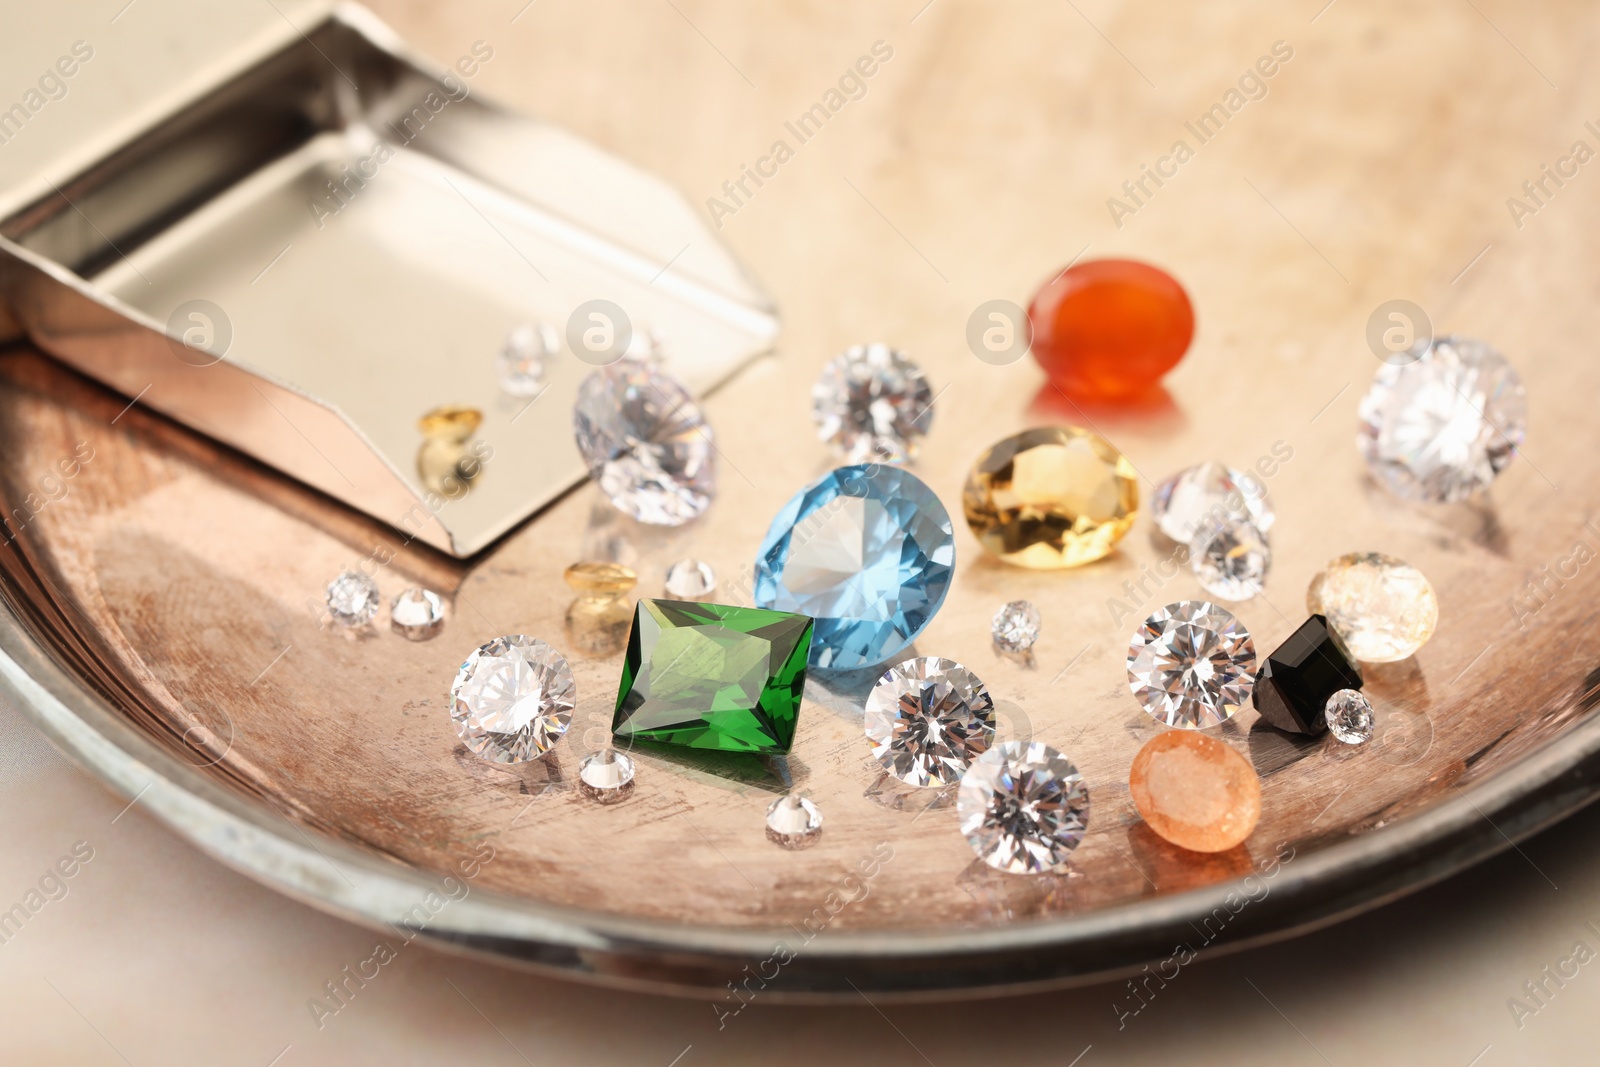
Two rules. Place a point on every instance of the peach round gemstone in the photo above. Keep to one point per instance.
(1110, 328)
(1195, 791)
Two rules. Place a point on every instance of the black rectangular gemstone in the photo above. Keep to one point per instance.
(1294, 684)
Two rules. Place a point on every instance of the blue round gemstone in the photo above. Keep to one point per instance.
(868, 552)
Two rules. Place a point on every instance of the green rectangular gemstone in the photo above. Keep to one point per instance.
(712, 676)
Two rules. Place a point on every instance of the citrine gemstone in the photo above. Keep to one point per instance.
(1058, 496)
(1294, 685)
(1195, 791)
(1110, 328)
(600, 578)
(711, 676)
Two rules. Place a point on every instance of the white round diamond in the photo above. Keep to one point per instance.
(521, 363)
(1209, 493)
(1440, 427)
(1023, 807)
(1349, 715)
(512, 699)
(352, 599)
(872, 404)
(417, 614)
(646, 443)
(690, 579)
(1191, 664)
(1016, 626)
(927, 719)
(605, 776)
(1230, 560)
(793, 821)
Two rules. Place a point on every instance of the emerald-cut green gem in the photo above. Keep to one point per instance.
(712, 676)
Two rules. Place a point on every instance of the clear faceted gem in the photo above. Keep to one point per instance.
(927, 719)
(1230, 560)
(599, 578)
(512, 699)
(1023, 807)
(1195, 791)
(605, 776)
(1191, 664)
(1442, 425)
(1016, 626)
(690, 579)
(868, 552)
(520, 365)
(417, 614)
(793, 821)
(1349, 716)
(352, 599)
(1382, 607)
(872, 403)
(1209, 493)
(647, 445)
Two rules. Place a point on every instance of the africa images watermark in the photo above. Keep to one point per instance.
(1540, 589)
(1540, 990)
(51, 887)
(48, 88)
(1537, 192)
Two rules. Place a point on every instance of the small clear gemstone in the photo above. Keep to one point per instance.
(521, 363)
(512, 699)
(872, 404)
(1191, 664)
(1023, 807)
(793, 821)
(1349, 716)
(690, 579)
(647, 445)
(1016, 626)
(1442, 425)
(1383, 608)
(352, 599)
(1230, 560)
(1209, 493)
(417, 614)
(605, 776)
(927, 719)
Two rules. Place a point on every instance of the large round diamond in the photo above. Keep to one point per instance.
(1191, 664)
(647, 445)
(868, 552)
(1023, 807)
(512, 699)
(928, 719)
(872, 403)
(1439, 428)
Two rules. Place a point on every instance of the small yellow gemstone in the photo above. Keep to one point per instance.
(452, 422)
(1384, 608)
(1059, 496)
(595, 578)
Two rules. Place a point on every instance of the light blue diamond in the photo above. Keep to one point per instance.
(868, 552)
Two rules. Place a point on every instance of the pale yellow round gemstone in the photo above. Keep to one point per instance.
(1058, 496)
(1383, 607)
(598, 578)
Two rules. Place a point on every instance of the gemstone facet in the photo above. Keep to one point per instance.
(927, 719)
(793, 821)
(1191, 664)
(352, 599)
(512, 699)
(868, 552)
(606, 777)
(417, 614)
(1195, 791)
(1349, 715)
(521, 362)
(713, 677)
(1023, 807)
(1295, 682)
(1209, 493)
(1440, 426)
(1057, 496)
(647, 445)
(598, 578)
(690, 579)
(1230, 560)
(1110, 327)
(1016, 626)
(1383, 607)
(872, 403)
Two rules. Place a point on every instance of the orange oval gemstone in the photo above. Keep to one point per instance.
(1110, 327)
(1195, 791)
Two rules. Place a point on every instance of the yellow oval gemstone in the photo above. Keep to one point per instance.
(601, 579)
(1058, 496)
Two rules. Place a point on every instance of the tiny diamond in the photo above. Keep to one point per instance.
(417, 614)
(793, 821)
(927, 719)
(1023, 807)
(1191, 664)
(520, 364)
(647, 445)
(1230, 560)
(352, 599)
(1350, 716)
(512, 699)
(690, 579)
(605, 776)
(1016, 626)
(1441, 426)
(1383, 608)
(1209, 493)
(872, 404)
